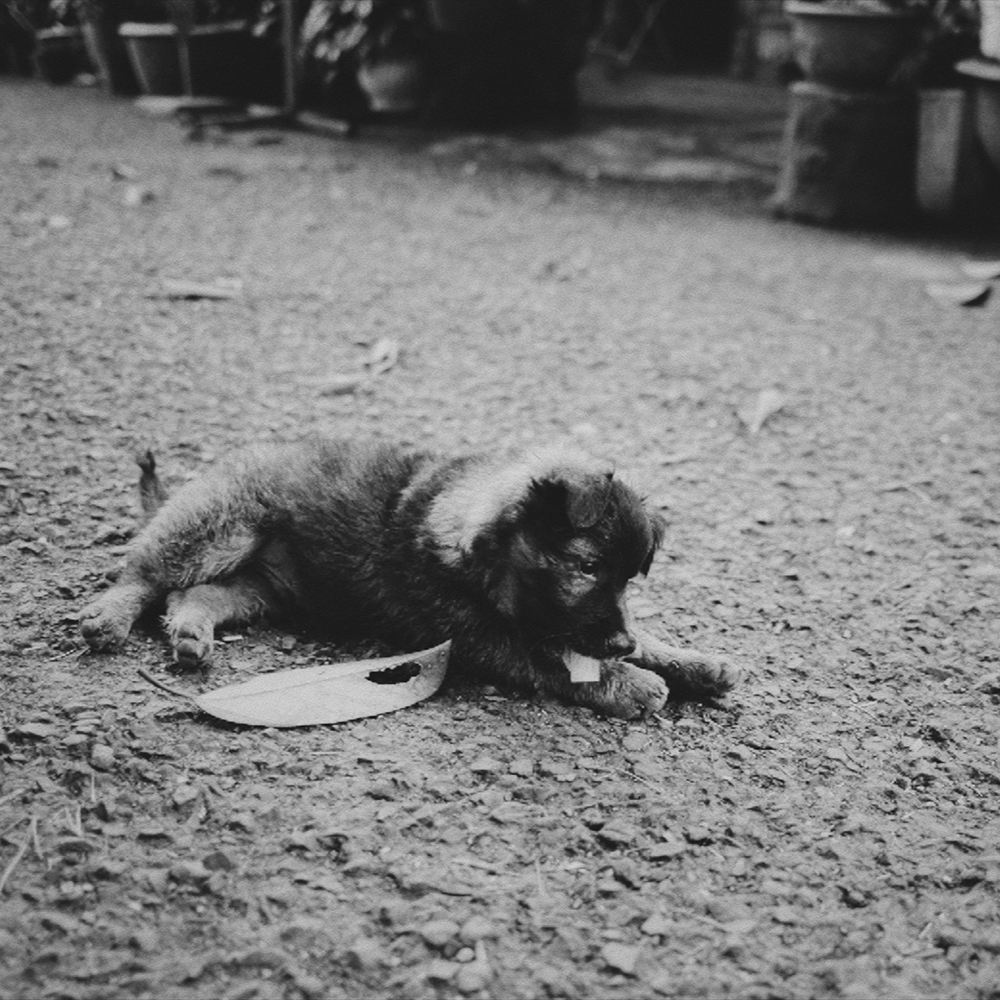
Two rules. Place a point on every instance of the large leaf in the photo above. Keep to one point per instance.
(333, 692)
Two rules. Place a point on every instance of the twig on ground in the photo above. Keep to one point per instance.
(146, 676)
(16, 860)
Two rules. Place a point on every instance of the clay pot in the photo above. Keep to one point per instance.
(838, 43)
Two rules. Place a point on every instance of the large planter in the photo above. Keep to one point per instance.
(60, 54)
(467, 17)
(985, 74)
(107, 53)
(219, 56)
(839, 43)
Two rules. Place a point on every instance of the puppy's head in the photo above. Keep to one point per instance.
(556, 540)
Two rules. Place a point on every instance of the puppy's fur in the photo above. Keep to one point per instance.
(519, 563)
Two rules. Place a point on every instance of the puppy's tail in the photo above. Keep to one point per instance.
(152, 494)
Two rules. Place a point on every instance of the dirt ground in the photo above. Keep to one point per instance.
(829, 831)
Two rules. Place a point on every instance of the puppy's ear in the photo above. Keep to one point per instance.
(659, 527)
(581, 497)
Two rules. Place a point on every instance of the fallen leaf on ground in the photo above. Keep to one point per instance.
(768, 403)
(333, 692)
(964, 293)
(179, 289)
(383, 356)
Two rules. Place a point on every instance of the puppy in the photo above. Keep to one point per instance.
(523, 564)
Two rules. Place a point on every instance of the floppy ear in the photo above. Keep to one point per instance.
(579, 496)
(659, 526)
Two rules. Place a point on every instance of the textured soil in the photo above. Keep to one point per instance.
(829, 830)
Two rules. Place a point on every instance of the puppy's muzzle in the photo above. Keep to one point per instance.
(620, 644)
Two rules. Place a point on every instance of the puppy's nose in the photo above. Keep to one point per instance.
(621, 644)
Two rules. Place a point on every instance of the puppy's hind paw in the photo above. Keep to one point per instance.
(103, 630)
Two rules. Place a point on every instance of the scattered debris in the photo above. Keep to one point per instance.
(767, 404)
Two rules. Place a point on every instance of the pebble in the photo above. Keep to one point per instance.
(486, 765)
(437, 933)
(621, 957)
(365, 954)
(522, 767)
(473, 977)
(102, 757)
(476, 928)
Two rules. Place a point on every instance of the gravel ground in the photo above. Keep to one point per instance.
(820, 433)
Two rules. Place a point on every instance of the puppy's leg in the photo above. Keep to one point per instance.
(194, 614)
(688, 672)
(624, 691)
(107, 620)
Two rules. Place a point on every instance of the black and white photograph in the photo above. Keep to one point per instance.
(500, 499)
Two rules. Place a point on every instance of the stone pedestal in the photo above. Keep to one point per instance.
(848, 157)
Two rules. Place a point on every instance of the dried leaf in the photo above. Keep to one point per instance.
(962, 293)
(981, 270)
(769, 402)
(179, 289)
(383, 356)
(334, 692)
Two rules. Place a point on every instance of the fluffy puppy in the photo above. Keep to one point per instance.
(523, 564)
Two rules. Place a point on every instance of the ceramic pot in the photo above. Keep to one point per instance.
(60, 54)
(107, 53)
(839, 43)
(466, 17)
(985, 75)
(219, 58)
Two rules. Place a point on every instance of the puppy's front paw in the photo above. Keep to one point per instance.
(717, 674)
(192, 649)
(628, 692)
(689, 672)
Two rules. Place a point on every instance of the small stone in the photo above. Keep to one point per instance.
(465, 955)
(437, 933)
(189, 872)
(441, 971)
(218, 861)
(102, 757)
(656, 925)
(365, 954)
(522, 767)
(698, 835)
(621, 957)
(667, 850)
(486, 765)
(618, 834)
(477, 928)
(473, 977)
(108, 870)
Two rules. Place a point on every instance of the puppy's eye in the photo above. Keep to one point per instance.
(588, 567)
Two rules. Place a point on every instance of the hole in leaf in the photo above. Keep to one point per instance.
(399, 674)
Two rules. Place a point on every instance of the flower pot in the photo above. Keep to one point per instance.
(219, 55)
(392, 84)
(989, 30)
(466, 17)
(985, 74)
(60, 54)
(838, 43)
(107, 53)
